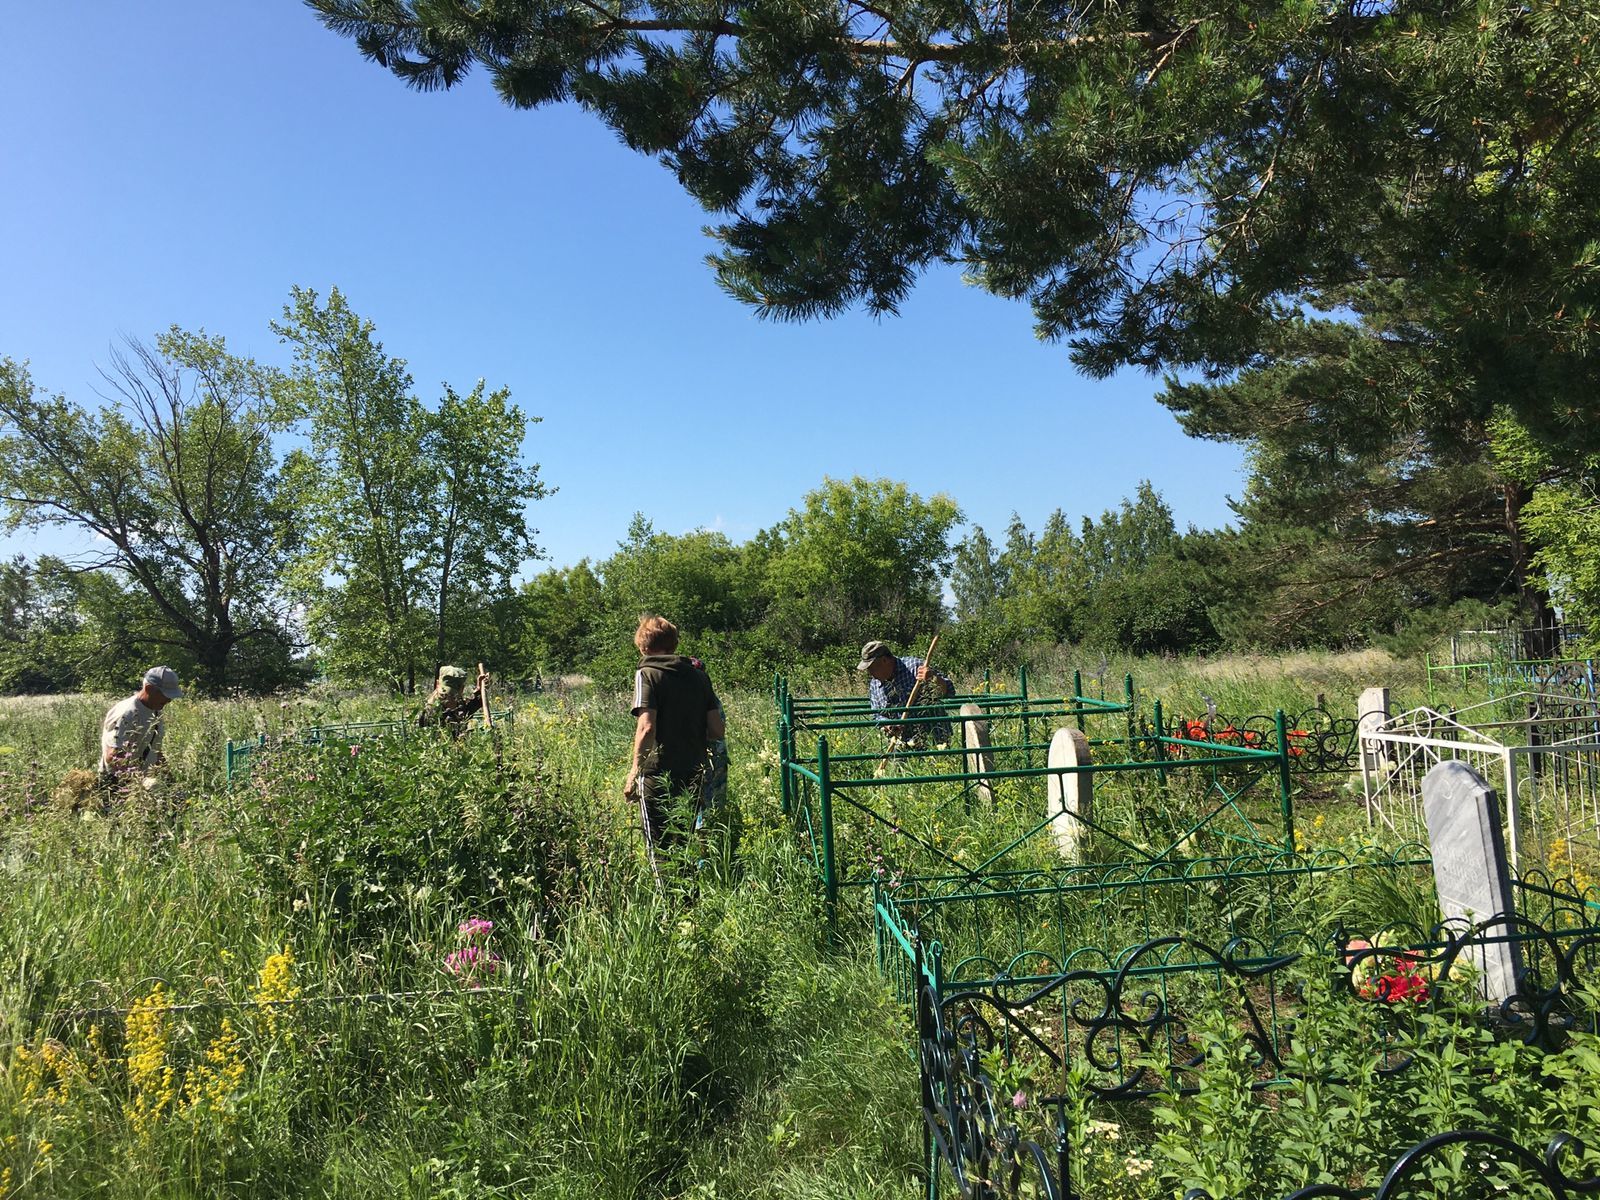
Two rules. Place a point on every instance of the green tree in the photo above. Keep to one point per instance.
(39, 628)
(174, 478)
(358, 486)
(1362, 509)
(414, 520)
(558, 612)
(859, 559)
(699, 580)
(479, 529)
(1166, 183)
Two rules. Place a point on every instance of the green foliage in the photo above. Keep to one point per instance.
(860, 559)
(414, 519)
(363, 832)
(1168, 185)
(691, 1040)
(1564, 519)
(175, 477)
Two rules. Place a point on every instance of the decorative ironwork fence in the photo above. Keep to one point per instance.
(1319, 743)
(1542, 753)
(1108, 1039)
(1014, 931)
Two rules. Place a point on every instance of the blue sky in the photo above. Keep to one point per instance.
(188, 162)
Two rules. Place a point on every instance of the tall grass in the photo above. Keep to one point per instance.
(703, 1038)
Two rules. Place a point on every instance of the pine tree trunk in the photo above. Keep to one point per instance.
(1540, 638)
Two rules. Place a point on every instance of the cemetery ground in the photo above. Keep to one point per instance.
(422, 968)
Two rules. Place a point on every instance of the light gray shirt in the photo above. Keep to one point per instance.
(134, 731)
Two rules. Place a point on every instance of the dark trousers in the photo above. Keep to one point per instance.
(658, 796)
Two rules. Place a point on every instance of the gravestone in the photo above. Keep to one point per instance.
(979, 758)
(1069, 793)
(1469, 865)
(1372, 710)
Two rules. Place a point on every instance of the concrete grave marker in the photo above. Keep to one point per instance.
(1069, 793)
(1372, 710)
(979, 758)
(1469, 865)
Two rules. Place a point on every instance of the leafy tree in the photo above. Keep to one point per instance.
(559, 611)
(175, 480)
(1362, 508)
(359, 486)
(860, 559)
(976, 579)
(1166, 183)
(480, 532)
(39, 625)
(414, 520)
(700, 580)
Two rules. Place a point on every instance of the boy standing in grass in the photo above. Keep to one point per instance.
(678, 717)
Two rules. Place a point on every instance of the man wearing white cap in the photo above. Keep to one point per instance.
(130, 738)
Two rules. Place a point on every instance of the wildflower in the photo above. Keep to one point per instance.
(150, 1076)
(214, 1082)
(475, 927)
(275, 987)
(1139, 1166)
(1106, 1129)
(1020, 1099)
(471, 963)
(354, 749)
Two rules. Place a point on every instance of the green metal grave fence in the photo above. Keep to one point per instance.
(237, 756)
(868, 811)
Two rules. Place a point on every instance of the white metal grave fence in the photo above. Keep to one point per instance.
(1540, 752)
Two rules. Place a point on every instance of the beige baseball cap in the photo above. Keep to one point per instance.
(165, 681)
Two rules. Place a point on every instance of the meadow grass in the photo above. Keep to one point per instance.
(703, 1038)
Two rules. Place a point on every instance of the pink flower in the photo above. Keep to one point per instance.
(354, 750)
(1020, 1100)
(475, 926)
(470, 962)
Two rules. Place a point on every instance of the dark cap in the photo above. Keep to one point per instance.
(871, 651)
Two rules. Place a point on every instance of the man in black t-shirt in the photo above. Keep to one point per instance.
(678, 718)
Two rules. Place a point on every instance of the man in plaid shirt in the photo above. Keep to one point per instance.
(889, 687)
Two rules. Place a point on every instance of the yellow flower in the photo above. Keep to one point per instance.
(217, 1080)
(275, 986)
(151, 1086)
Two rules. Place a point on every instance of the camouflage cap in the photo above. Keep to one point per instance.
(452, 679)
(871, 651)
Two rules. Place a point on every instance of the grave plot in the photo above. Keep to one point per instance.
(1015, 783)
(1541, 752)
(1016, 1087)
(238, 755)
(1543, 659)
(1104, 988)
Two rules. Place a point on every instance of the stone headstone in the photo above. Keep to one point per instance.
(979, 758)
(1372, 710)
(1069, 793)
(1469, 865)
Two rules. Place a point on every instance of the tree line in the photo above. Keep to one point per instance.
(252, 525)
(258, 527)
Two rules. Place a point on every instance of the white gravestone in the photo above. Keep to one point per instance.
(1069, 792)
(979, 758)
(1372, 710)
(1469, 866)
